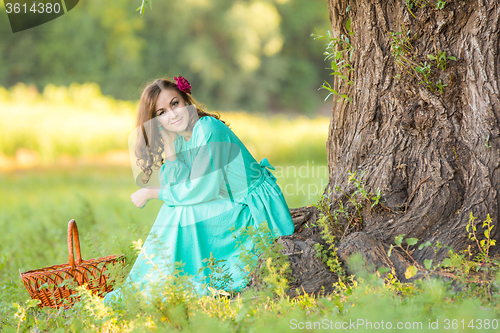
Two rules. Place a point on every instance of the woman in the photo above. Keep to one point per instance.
(211, 186)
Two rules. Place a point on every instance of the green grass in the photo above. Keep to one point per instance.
(37, 203)
(78, 121)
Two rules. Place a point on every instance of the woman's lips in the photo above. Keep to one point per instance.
(176, 122)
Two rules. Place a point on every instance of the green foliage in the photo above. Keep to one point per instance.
(252, 55)
(220, 278)
(485, 244)
(440, 85)
(370, 198)
(440, 4)
(22, 310)
(143, 6)
(425, 70)
(339, 52)
(413, 4)
(402, 49)
(329, 256)
(456, 262)
(405, 58)
(441, 59)
(260, 258)
(330, 223)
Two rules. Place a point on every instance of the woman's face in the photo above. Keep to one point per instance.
(171, 111)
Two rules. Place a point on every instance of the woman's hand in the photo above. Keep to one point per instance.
(141, 197)
(168, 136)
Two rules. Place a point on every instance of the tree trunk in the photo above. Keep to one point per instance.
(434, 154)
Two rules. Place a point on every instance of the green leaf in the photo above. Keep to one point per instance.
(348, 24)
(383, 270)
(452, 58)
(399, 239)
(33, 302)
(390, 251)
(411, 241)
(410, 272)
(428, 263)
(426, 244)
(447, 262)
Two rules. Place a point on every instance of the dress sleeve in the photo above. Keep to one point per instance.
(211, 155)
(174, 171)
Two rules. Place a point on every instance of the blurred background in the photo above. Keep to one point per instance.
(238, 55)
(69, 92)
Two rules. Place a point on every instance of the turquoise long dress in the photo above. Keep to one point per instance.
(213, 185)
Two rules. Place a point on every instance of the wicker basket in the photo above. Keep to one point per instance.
(92, 272)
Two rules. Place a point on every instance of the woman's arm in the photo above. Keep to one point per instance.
(174, 171)
(212, 155)
(142, 196)
(169, 149)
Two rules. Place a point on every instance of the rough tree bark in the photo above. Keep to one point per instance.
(435, 155)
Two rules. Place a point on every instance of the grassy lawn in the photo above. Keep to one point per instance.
(43, 187)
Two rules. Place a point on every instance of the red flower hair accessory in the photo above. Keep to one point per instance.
(183, 84)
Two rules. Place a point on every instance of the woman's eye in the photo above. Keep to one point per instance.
(161, 112)
(175, 103)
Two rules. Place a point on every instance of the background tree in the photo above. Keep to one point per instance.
(243, 55)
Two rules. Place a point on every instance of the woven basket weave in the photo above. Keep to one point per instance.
(92, 272)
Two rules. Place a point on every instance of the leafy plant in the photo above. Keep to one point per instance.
(425, 70)
(485, 244)
(328, 256)
(253, 261)
(404, 57)
(220, 277)
(402, 50)
(339, 52)
(371, 198)
(410, 4)
(440, 4)
(441, 59)
(143, 5)
(440, 85)
(411, 271)
(330, 224)
(22, 309)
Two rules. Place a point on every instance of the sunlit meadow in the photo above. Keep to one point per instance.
(64, 156)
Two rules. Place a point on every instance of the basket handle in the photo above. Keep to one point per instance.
(73, 235)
